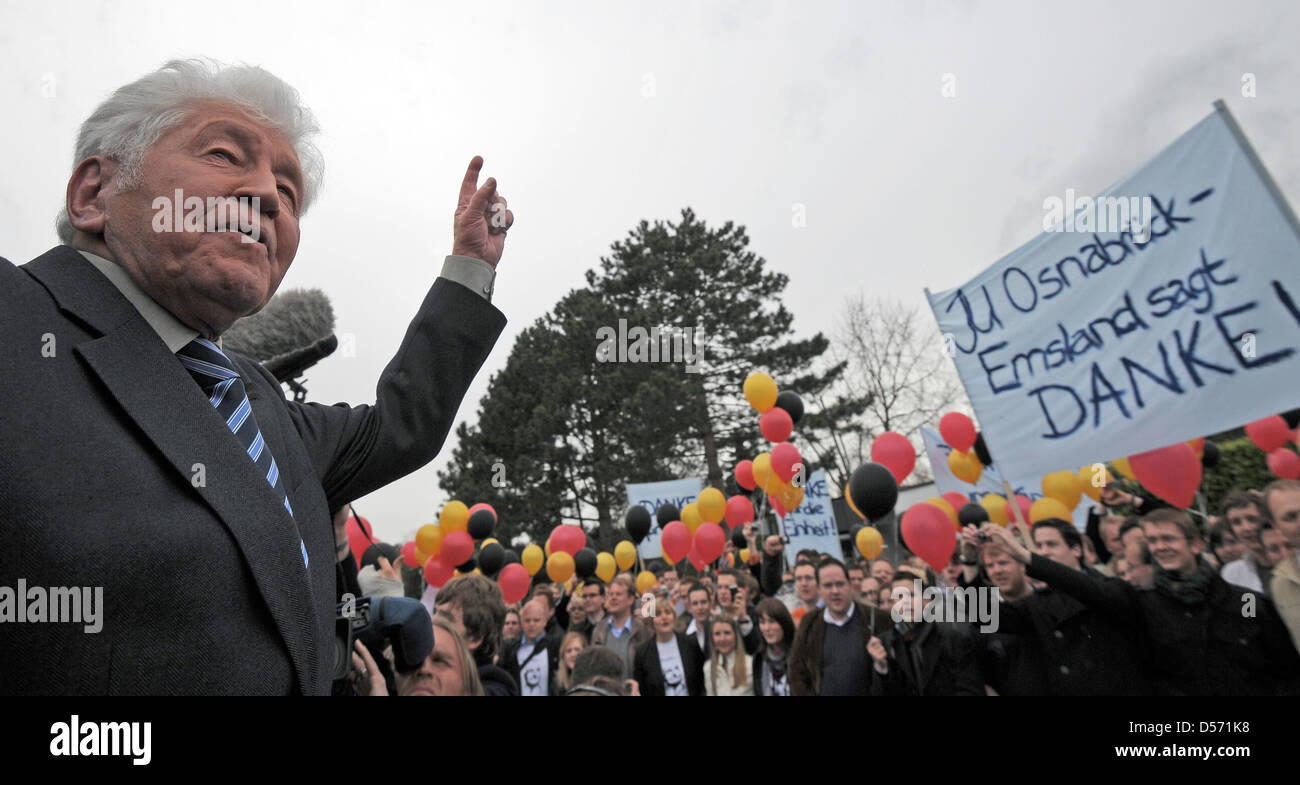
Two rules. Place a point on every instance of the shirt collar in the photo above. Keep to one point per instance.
(618, 631)
(534, 641)
(168, 327)
(826, 614)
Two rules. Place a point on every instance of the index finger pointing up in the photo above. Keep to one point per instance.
(470, 184)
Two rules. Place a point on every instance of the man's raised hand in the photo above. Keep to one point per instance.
(482, 219)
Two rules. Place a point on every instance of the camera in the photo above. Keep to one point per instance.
(401, 622)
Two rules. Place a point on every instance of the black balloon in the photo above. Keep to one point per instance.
(738, 538)
(584, 563)
(972, 515)
(666, 514)
(511, 557)
(874, 490)
(1210, 455)
(468, 566)
(481, 524)
(982, 450)
(492, 558)
(638, 523)
(792, 404)
(1292, 418)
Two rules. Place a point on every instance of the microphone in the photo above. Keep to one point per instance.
(291, 334)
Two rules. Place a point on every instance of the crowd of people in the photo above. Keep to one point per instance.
(1152, 603)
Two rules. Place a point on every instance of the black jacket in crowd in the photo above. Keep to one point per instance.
(1232, 643)
(648, 673)
(947, 663)
(550, 649)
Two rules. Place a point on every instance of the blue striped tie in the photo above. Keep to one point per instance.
(225, 390)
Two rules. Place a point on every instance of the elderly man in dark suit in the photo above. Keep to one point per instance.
(141, 459)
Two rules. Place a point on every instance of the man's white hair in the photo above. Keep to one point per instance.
(124, 127)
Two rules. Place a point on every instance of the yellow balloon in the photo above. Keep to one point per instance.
(645, 581)
(791, 497)
(1047, 507)
(428, 539)
(1093, 478)
(942, 503)
(852, 506)
(532, 558)
(421, 557)
(559, 566)
(869, 542)
(546, 549)
(996, 506)
(606, 567)
(760, 391)
(454, 517)
(489, 541)
(965, 466)
(624, 555)
(774, 486)
(691, 516)
(762, 469)
(744, 556)
(1064, 487)
(1121, 466)
(712, 505)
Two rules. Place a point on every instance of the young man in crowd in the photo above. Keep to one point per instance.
(1084, 651)
(696, 624)
(808, 594)
(622, 631)
(1198, 640)
(473, 605)
(1012, 664)
(922, 658)
(1245, 511)
(882, 571)
(1282, 500)
(829, 654)
(857, 571)
(593, 602)
(733, 601)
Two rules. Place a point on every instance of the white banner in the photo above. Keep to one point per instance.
(936, 449)
(812, 523)
(650, 495)
(1090, 344)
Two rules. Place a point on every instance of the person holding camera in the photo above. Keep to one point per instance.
(733, 601)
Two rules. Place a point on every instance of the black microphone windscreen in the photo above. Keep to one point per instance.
(292, 321)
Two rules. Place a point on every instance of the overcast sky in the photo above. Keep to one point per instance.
(595, 115)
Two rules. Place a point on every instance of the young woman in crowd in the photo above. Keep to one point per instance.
(726, 672)
(570, 648)
(769, 664)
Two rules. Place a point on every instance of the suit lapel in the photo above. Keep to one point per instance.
(161, 398)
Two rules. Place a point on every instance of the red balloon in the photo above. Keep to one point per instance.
(436, 571)
(958, 431)
(408, 555)
(776, 424)
(1270, 433)
(929, 533)
(514, 582)
(1284, 464)
(957, 500)
(776, 504)
(739, 511)
(710, 540)
(482, 506)
(895, 453)
(745, 475)
(1173, 473)
(696, 560)
(784, 458)
(360, 537)
(675, 541)
(566, 537)
(457, 547)
(1026, 504)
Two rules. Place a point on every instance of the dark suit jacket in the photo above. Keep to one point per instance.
(550, 649)
(118, 473)
(648, 670)
(805, 669)
(948, 663)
